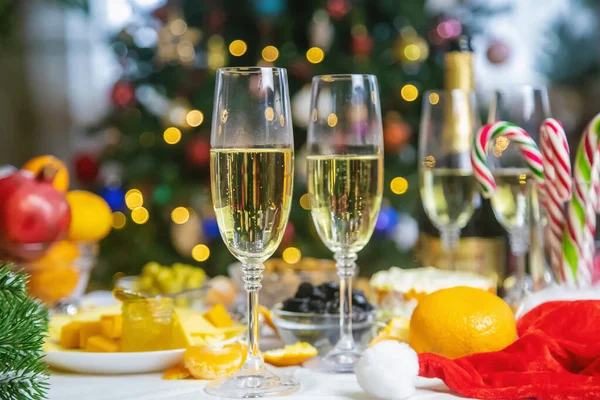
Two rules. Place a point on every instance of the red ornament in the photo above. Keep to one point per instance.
(362, 44)
(197, 152)
(86, 168)
(123, 94)
(33, 213)
(498, 53)
(338, 8)
(396, 134)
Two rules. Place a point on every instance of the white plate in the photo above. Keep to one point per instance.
(114, 363)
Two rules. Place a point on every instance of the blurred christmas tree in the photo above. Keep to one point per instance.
(154, 169)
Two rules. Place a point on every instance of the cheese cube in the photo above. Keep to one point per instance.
(69, 335)
(112, 326)
(88, 329)
(219, 317)
(100, 344)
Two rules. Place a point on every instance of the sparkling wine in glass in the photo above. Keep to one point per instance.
(345, 180)
(516, 203)
(448, 189)
(252, 169)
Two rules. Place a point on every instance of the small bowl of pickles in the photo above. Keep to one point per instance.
(185, 284)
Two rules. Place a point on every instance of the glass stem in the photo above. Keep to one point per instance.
(519, 244)
(252, 283)
(346, 264)
(450, 236)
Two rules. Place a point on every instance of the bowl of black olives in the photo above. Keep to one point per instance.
(313, 316)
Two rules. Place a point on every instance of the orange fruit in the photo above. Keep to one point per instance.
(91, 216)
(396, 329)
(176, 372)
(268, 317)
(61, 179)
(292, 354)
(222, 290)
(205, 362)
(459, 321)
(54, 276)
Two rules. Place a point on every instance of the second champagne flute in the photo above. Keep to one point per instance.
(252, 169)
(345, 180)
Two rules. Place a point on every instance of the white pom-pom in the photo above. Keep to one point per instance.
(388, 370)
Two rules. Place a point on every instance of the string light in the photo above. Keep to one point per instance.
(200, 252)
(238, 48)
(140, 215)
(291, 255)
(270, 53)
(172, 135)
(434, 98)
(194, 118)
(119, 220)
(315, 55)
(399, 185)
(180, 215)
(305, 201)
(412, 52)
(134, 199)
(409, 92)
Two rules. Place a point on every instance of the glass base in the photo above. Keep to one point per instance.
(336, 361)
(251, 386)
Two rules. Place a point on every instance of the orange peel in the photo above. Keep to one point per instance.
(292, 354)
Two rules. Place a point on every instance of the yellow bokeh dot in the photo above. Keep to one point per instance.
(409, 92)
(332, 120)
(315, 55)
(119, 220)
(172, 135)
(399, 185)
(305, 201)
(412, 52)
(434, 98)
(180, 215)
(140, 215)
(194, 118)
(200, 252)
(238, 48)
(270, 53)
(291, 255)
(134, 199)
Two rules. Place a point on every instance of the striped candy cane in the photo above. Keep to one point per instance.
(578, 235)
(556, 189)
(527, 147)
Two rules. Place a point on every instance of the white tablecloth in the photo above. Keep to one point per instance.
(64, 386)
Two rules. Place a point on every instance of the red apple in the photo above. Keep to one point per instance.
(33, 214)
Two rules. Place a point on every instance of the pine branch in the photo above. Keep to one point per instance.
(12, 283)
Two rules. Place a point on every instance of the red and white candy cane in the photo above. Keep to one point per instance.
(527, 147)
(556, 188)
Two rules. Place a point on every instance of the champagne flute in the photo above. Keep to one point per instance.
(251, 166)
(516, 203)
(448, 189)
(345, 183)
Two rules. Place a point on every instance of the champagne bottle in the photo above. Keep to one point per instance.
(482, 244)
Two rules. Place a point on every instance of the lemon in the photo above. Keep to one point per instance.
(91, 217)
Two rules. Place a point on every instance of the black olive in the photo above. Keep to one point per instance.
(317, 306)
(295, 305)
(330, 289)
(305, 290)
(318, 294)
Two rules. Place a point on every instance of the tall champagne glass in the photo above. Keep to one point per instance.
(252, 169)
(448, 189)
(516, 203)
(345, 179)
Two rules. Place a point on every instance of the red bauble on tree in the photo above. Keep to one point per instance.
(86, 168)
(362, 44)
(123, 94)
(338, 8)
(396, 132)
(498, 52)
(197, 152)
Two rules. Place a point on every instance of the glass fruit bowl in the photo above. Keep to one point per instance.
(280, 278)
(60, 275)
(321, 330)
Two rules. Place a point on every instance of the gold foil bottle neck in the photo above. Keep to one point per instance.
(459, 71)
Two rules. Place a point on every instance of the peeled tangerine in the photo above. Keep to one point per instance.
(292, 354)
(205, 362)
(397, 329)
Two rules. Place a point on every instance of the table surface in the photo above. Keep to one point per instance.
(64, 386)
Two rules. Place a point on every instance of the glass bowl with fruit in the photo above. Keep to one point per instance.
(313, 316)
(185, 284)
(281, 278)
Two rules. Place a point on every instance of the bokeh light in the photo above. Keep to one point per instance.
(412, 52)
(305, 201)
(134, 199)
(119, 220)
(434, 98)
(399, 185)
(332, 120)
(172, 135)
(291, 255)
(180, 215)
(194, 118)
(140, 215)
(200, 252)
(238, 48)
(409, 92)
(315, 55)
(270, 53)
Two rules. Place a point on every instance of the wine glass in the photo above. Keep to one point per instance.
(345, 184)
(516, 202)
(252, 170)
(448, 189)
